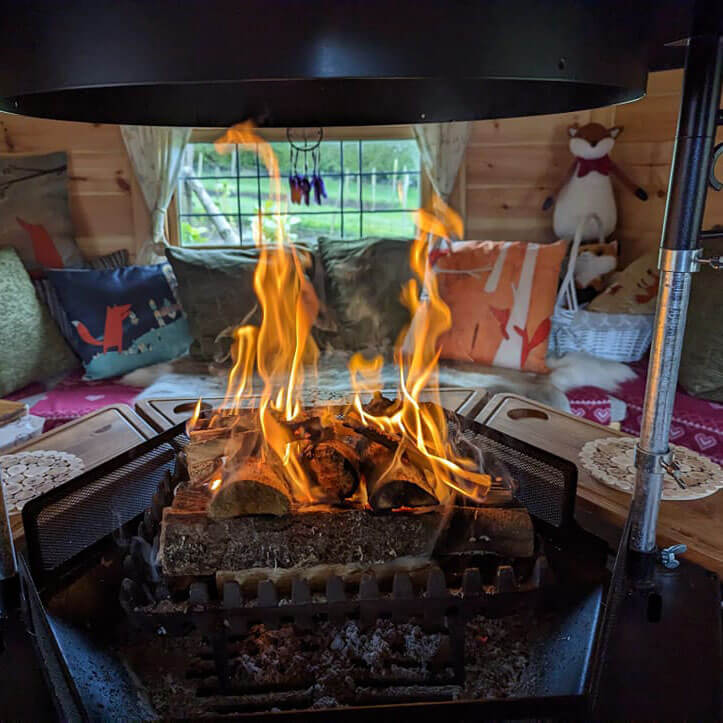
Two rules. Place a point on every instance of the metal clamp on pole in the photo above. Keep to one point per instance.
(657, 463)
(681, 260)
(687, 260)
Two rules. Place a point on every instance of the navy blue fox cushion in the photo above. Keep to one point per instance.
(122, 319)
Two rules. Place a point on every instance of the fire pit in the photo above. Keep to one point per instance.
(465, 623)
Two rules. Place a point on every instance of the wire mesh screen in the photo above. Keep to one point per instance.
(69, 520)
(545, 484)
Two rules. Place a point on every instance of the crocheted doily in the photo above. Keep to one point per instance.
(610, 461)
(28, 474)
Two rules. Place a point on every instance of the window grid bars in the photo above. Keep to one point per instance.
(359, 174)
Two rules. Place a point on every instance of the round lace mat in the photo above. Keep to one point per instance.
(610, 461)
(28, 474)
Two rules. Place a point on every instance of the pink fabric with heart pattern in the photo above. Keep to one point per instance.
(697, 423)
(590, 403)
(72, 398)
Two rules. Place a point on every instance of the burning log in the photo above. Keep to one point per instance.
(209, 443)
(392, 481)
(334, 466)
(380, 405)
(256, 489)
(333, 458)
(325, 538)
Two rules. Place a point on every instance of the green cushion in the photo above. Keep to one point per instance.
(31, 346)
(216, 291)
(701, 363)
(364, 279)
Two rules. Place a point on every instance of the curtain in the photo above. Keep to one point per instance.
(442, 147)
(156, 154)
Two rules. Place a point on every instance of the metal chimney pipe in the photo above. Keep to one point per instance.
(679, 254)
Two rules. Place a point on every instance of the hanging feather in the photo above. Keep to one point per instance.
(305, 186)
(295, 189)
(317, 183)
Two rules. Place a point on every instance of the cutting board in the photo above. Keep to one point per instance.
(95, 438)
(601, 509)
(167, 412)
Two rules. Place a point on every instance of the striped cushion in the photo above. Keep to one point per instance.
(47, 294)
(115, 260)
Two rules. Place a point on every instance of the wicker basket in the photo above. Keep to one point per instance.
(618, 337)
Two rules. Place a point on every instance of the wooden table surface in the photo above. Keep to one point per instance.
(601, 509)
(95, 438)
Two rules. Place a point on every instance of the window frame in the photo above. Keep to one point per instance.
(353, 133)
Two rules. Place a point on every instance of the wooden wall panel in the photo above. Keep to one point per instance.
(647, 144)
(512, 164)
(510, 167)
(106, 206)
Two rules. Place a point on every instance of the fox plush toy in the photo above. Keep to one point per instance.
(587, 187)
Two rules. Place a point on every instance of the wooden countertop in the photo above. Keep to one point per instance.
(601, 509)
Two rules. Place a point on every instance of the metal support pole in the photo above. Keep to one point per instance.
(679, 254)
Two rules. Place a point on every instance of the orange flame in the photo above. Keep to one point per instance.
(191, 424)
(423, 427)
(281, 347)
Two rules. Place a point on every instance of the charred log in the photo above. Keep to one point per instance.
(334, 466)
(392, 481)
(380, 405)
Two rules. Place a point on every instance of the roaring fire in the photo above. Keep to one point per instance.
(281, 346)
(281, 349)
(423, 426)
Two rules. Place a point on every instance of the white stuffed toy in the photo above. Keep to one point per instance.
(587, 187)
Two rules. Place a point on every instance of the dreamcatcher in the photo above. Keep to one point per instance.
(302, 187)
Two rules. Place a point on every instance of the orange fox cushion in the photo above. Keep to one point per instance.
(501, 295)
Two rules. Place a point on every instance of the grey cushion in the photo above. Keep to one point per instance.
(31, 346)
(216, 292)
(364, 279)
(701, 363)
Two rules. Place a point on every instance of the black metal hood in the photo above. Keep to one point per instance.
(325, 62)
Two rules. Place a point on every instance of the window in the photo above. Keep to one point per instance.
(372, 187)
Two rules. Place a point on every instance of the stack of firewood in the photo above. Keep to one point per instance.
(374, 502)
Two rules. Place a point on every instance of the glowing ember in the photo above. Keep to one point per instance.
(281, 349)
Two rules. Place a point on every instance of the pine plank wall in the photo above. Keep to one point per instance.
(510, 167)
